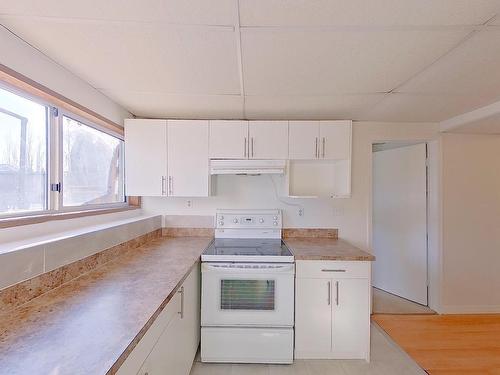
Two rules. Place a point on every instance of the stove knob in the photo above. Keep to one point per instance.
(261, 221)
(275, 223)
(275, 218)
(235, 221)
(221, 223)
(221, 217)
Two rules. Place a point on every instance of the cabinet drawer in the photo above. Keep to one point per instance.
(320, 269)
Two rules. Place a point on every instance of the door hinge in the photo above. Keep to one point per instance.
(55, 187)
(55, 111)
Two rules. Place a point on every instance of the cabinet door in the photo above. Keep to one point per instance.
(188, 342)
(351, 318)
(164, 358)
(335, 139)
(145, 157)
(268, 139)
(303, 140)
(228, 139)
(313, 315)
(188, 158)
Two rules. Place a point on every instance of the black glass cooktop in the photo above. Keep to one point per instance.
(248, 247)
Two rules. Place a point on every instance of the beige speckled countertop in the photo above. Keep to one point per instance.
(90, 324)
(313, 248)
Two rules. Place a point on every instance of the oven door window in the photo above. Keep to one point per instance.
(247, 295)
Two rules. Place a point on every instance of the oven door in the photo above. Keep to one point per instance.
(247, 294)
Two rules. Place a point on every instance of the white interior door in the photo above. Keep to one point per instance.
(400, 222)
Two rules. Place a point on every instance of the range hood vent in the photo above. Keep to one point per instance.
(247, 167)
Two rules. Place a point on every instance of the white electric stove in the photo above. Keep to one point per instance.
(247, 307)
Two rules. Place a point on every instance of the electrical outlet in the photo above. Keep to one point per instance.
(301, 212)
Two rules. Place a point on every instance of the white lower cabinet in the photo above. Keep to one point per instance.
(332, 310)
(170, 344)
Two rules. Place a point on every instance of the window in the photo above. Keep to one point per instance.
(52, 161)
(92, 165)
(23, 154)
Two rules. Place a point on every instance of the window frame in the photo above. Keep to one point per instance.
(53, 142)
(60, 168)
(49, 168)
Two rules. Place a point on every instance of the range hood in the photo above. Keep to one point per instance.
(247, 167)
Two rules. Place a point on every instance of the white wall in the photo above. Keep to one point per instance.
(351, 216)
(22, 58)
(470, 223)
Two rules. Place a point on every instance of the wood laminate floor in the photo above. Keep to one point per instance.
(448, 344)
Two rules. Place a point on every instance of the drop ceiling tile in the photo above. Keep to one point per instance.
(169, 11)
(309, 107)
(300, 62)
(363, 12)
(161, 105)
(470, 69)
(421, 108)
(144, 57)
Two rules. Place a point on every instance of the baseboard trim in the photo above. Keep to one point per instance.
(469, 309)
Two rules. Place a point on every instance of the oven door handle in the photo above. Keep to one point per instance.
(229, 267)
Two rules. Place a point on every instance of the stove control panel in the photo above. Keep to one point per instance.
(248, 219)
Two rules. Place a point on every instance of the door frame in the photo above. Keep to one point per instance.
(433, 216)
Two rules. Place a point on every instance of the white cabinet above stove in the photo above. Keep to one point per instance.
(248, 139)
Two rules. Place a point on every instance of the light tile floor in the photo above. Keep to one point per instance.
(387, 303)
(387, 359)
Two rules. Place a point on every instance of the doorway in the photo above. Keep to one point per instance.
(400, 241)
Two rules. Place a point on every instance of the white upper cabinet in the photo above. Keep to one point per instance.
(329, 140)
(145, 157)
(188, 158)
(228, 139)
(303, 140)
(268, 139)
(335, 140)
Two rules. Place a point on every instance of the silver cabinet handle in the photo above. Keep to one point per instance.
(329, 293)
(324, 146)
(245, 148)
(252, 147)
(170, 185)
(163, 192)
(332, 270)
(337, 293)
(181, 292)
(316, 149)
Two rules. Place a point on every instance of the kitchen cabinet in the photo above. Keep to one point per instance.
(268, 139)
(170, 344)
(145, 157)
(187, 158)
(166, 158)
(249, 140)
(303, 140)
(320, 159)
(324, 140)
(332, 312)
(335, 140)
(313, 323)
(228, 139)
